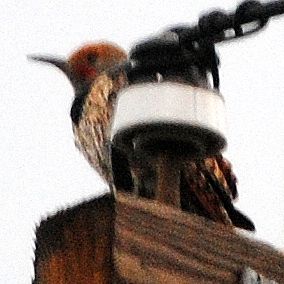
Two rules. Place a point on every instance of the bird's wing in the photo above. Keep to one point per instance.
(92, 134)
(215, 190)
(198, 185)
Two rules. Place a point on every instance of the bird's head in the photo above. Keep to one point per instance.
(86, 63)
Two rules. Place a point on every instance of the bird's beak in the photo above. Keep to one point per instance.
(58, 62)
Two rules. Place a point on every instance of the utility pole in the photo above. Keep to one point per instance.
(154, 236)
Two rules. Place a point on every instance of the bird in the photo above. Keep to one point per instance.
(210, 187)
(205, 185)
(96, 74)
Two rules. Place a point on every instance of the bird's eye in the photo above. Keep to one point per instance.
(92, 58)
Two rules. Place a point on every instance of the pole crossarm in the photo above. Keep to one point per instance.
(153, 243)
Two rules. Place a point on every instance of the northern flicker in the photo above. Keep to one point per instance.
(94, 73)
(207, 186)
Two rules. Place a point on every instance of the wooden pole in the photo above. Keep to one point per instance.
(168, 179)
(151, 243)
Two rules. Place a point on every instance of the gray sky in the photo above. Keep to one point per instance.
(41, 171)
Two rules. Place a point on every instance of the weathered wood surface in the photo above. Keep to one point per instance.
(75, 246)
(166, 241)
(154, 243)
(167, 190)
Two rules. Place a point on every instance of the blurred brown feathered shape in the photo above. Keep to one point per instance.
(212, 184)
(96, 81)
(208, 187)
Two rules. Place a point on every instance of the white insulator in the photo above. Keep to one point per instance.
(194, 115)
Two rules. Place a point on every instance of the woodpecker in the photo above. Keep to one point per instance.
(97, 74)
(210, 189)
(94, 73)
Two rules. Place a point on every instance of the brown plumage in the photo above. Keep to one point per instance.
(92, 134)
(96, 81)
(78, 247)
(208, 187)
(213, 184)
